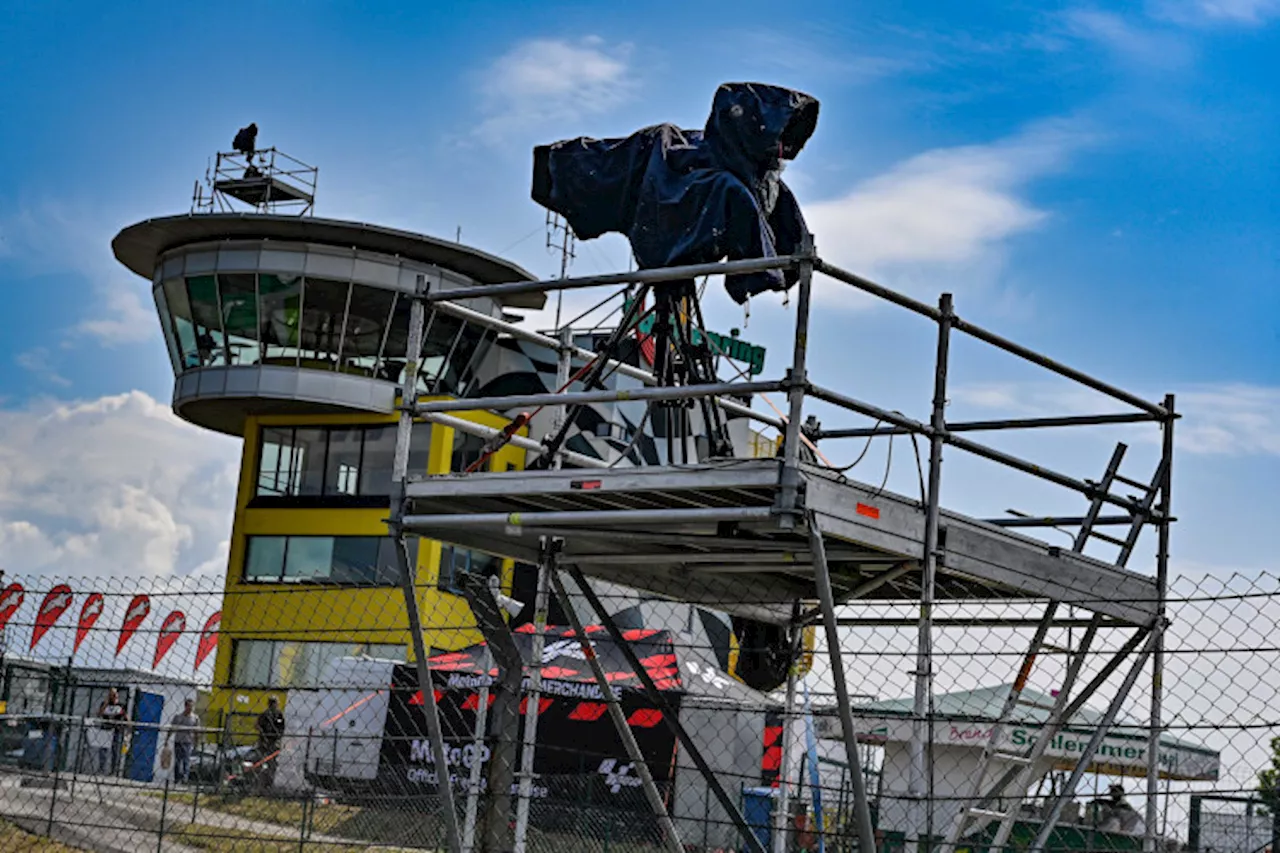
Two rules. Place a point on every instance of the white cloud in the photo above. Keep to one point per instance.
(1251, 13)
(123, 318)
(38, 362)
(53, 237)
(952, 209)
(1232, 419)
(117, 486)
(1145, 46)
(546, 81)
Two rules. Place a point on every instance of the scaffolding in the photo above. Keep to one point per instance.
(806, 539)
(264, 181)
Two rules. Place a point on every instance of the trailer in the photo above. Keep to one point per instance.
(365, 735)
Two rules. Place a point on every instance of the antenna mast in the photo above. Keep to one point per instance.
(560, 239)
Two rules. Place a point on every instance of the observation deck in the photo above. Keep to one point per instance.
(278, 314)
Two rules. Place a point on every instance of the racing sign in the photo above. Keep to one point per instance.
(170, 630)
(51, 609)
(89, 613)
(208, 638)
(10, 600)
(139, 607)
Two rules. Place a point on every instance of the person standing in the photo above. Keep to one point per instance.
(270, 734)
(115, 719)
(183, 729)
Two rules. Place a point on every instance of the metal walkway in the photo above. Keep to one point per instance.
(711, 534)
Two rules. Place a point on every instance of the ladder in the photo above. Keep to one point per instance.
(1023, 764)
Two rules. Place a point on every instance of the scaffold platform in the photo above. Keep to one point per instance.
(785, 541)
(711, 534)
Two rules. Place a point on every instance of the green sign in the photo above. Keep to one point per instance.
(730, 345)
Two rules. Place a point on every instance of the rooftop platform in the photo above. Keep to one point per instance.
(711, 534)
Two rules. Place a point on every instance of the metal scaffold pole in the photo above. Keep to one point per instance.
(1157, 655)
(542, 600)
(826, 596)
(920, 782)
(408, 571)
(797, 380)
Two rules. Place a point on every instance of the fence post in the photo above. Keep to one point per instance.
(302, 826)
(164, 810)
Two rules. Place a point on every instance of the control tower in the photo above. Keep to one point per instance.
(289, 331)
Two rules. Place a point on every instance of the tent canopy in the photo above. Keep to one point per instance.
(676, 666)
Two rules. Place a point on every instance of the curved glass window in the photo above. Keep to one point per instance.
(166, 326)
(279, 312)
(175, 295)
(314, 323)
(368, 313)
(324, 310)
(238, 293)
(206, 314)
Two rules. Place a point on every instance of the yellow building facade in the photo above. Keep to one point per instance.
(277, 633)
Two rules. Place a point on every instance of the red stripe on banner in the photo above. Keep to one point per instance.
(588, 711)
(543, 705)
(416, 699)
(772, 758)
(645, 718)
(667, 683)
(664, 672)
(618, 676)
(558, 672)
(451, 657)
(472, 702)
(658, 660)
(771, 735)
(638, 634)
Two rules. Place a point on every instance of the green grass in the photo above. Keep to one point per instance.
(219, 840)
(387, 827)
(15, 840)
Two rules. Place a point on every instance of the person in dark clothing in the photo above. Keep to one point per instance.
(115, 718)
(270, 734)
(246, 140)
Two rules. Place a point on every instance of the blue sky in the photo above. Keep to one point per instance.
(1097, 181)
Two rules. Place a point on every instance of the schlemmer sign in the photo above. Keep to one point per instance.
(1123, 751)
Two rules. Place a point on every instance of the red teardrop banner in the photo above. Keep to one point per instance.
(10, 600)
(208, 638)
(139, 607)
(89, 613)
(170, 630)
(55, 603)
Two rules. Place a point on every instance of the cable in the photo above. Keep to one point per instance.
(598, 305)
(635, 437)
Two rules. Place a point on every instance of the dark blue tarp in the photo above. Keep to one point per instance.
(691, 196)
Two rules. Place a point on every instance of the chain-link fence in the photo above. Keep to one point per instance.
(183, 715)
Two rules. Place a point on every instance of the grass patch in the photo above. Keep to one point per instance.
(16, 840)
(219, 840)
(323, 819)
